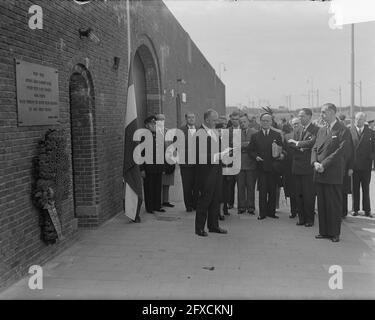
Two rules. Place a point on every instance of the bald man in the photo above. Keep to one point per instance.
(208, 178)
(260, 149)
(364, 152)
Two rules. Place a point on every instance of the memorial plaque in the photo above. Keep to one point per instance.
(37, 94)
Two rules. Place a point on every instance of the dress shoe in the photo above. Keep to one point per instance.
(261, 218)
(355, 213)
(309, 224)
(201, 233)
(335, 239)
(251, 211)
(150, 212)
(274, 217)
(218, 230)
(225, 211)
(159, 210)
(368, 214)
(189, 209)
(300, 223)
(319, 236)
(241, 211)
(167, 204)
(292, 216)
(221, 217)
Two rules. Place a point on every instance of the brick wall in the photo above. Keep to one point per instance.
(87, 81)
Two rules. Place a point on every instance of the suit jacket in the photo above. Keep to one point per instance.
(301, 162)
(331, 149)
(202, 135)
(261, 146)
(185, 130)
(153, 167)
(247, 162)
(363, 148)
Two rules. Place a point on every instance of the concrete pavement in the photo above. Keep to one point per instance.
(162, 258)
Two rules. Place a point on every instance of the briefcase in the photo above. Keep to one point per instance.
(276, 150)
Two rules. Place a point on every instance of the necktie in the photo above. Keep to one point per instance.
(302, 134)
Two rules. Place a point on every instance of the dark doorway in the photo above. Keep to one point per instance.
(140, 89)
(83, 143)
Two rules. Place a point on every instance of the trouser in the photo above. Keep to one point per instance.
(165, 193)
(208, 204)
(361, 178)
(267, 193)
(189, 186)
(231, 186)
(329, 208)
(152, 191)
(246, 180)
(304, 190)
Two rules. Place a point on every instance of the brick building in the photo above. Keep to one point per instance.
(92, 86)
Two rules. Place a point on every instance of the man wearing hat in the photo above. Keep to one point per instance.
(152, 172)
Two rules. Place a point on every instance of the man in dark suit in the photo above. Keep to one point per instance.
(208, 174)
(371, 125)
(246, 179)
(152, 172)
(302, 169)
(328, 158)
(347, 181)
(364, 148)
(260, 149)
(188, 174)
(291, 133)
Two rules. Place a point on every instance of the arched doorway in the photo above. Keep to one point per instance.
(140, 89)
(83, 141)
(147, 83)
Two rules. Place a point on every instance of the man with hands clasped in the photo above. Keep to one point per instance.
(328, 159)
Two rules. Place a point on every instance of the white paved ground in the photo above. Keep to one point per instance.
(162, 258)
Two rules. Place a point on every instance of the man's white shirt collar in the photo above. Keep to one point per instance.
(210, 132)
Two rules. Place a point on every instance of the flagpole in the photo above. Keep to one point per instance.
(129, 34)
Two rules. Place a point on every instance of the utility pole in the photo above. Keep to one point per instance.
(360, 95)
(317, 98)
(309, 99)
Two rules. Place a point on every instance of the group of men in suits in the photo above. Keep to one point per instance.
(320, 159)
(324, 160)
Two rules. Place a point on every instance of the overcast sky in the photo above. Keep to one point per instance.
(271, 48)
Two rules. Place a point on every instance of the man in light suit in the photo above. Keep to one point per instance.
(208, 176)
(364, 148)
(328, 158)
(302, 170)
(232, 179)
